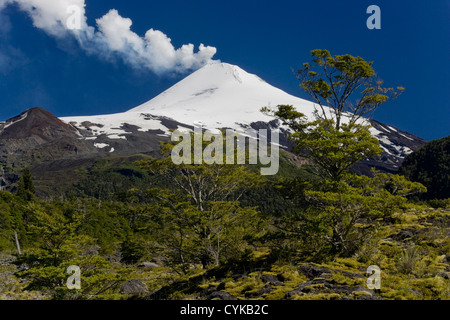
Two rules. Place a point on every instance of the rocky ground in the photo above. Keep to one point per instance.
(413, 253)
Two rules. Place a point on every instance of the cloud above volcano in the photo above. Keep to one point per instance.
(112, 36)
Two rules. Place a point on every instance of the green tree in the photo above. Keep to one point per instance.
(200, 210)
(430, 165)
(26, 187)
(346, 89)
(203, 183)
(347, 209)
(50, 232)
(336, 216)
(346, 84)
(333, 150)
(58, 246)
(132, 250)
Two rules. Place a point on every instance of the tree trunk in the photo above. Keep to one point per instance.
(17, 243)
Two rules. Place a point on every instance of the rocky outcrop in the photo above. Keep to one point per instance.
(37, 136)
(134, 287)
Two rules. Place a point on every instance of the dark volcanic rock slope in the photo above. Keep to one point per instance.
(396, 145)
(55, 149)
(36, 136)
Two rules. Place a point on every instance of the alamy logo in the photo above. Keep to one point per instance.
(374, 21)
(74, 281)
(73, 22)
(374, 280)
(248, 147)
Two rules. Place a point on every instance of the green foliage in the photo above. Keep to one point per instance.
(132, 250)
(336, 217)
(408, 260)
(440, 203)
(199, 214)
(226, 228)
(26, 188)
(109, 178)
(333, 150)
(99, 278)
(203, 183)
(344, 83)
(430, 165)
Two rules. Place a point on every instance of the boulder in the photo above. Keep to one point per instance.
(259, 293)
(311, 271)
(148, 265)
(405, 234)
(221, 295)
(134, 287)
(444, 275)
(271, 280)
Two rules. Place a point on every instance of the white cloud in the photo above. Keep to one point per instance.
(154, 51)
(113, 36)
(117, 31)
(52, 15)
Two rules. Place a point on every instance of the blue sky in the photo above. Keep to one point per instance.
(268, 38)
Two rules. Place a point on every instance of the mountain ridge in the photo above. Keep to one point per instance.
(218, 95)
(221, 95)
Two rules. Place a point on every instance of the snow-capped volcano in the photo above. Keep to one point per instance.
(220, 95)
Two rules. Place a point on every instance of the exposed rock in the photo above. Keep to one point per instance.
(324, 286)
(405, 234)
(444, 275)
(298, 290)
(237, 276)
(362, 293)
(221, 295)
(396, 144)
(213, 292)
(351, 275)
(148, 265)
(259, 293)
(133, 287)
(271, 279)
(208, 291)
(311, 271)
(23, 267)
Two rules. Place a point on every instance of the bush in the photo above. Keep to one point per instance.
(132, 251)
(439, 203)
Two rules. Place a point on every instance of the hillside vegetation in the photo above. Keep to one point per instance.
(268, 239)
(146, 228)
(430, 165)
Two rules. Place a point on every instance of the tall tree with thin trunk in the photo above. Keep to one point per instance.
(26, 188)
(19, 252)
(346, 84)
